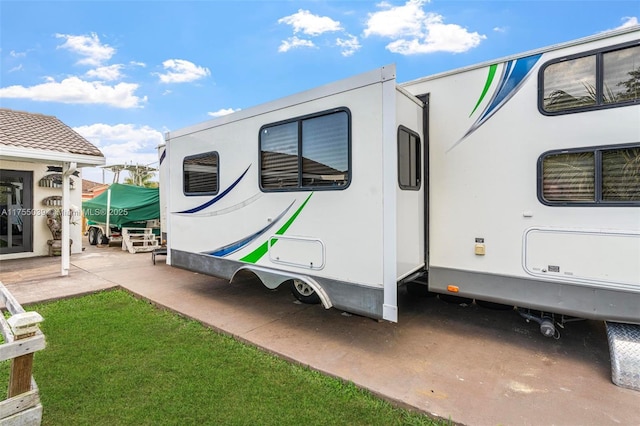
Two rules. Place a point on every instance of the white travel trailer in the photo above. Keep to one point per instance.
(514, 182)
(304, 189)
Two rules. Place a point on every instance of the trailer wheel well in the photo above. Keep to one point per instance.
(272, 279)
(304, 292)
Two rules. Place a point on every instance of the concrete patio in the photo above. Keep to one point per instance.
(469, 364)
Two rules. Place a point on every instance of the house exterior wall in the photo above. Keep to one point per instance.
(41, 232)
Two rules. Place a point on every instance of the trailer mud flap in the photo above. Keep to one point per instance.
(624, 349)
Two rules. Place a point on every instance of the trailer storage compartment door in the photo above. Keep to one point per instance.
(583, 256)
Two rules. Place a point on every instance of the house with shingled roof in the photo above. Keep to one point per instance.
(41, 159)
(91, 189)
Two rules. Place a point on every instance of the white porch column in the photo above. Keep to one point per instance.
(65, 249)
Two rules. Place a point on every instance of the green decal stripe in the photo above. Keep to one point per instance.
(487, 84)
(257, 254)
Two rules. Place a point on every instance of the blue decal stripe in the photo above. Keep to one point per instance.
(513, 77)
(164, 154)
(218, 197)
(500, 93)
(514, 74)
(235, 246)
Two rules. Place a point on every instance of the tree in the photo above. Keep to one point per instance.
(632, 86)
(141, 176)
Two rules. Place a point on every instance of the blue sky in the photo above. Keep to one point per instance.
(121, 73)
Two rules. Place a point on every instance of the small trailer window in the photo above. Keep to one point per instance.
(590, 177)
(310, 152)
(200, 174)
(408, 159)
(596, 80)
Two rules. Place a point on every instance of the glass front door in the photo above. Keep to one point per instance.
(16, 211)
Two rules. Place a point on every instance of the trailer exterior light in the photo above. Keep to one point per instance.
(453, 288)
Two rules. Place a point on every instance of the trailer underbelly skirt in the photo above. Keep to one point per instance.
(589, 301)
(350, 297)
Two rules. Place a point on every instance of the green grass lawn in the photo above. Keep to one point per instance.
(112, 359)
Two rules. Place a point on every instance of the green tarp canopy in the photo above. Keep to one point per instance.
(129, 203)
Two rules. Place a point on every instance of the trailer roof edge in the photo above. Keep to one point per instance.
(576, 42)
(378, 75)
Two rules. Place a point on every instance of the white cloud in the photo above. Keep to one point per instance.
(413, 31)
(629, 21)
(500, 29)
(398, 21)
(221, 112)
(349, 46)
(17, 56)
(181, 71)
(438, 38)
(305, 22)
(121, 144)
(94, 52)
(310, 24)
(106, 73)
(294, 42)
(73, 90)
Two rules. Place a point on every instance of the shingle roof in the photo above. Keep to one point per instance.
(38, 131)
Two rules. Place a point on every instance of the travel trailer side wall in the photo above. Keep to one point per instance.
(534, 193)
(534, 165)
(303, 189)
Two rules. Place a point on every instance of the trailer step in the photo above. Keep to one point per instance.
(624, 348)
(137, 240)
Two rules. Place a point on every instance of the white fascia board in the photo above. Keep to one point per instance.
(385, 73)
(15, 153)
